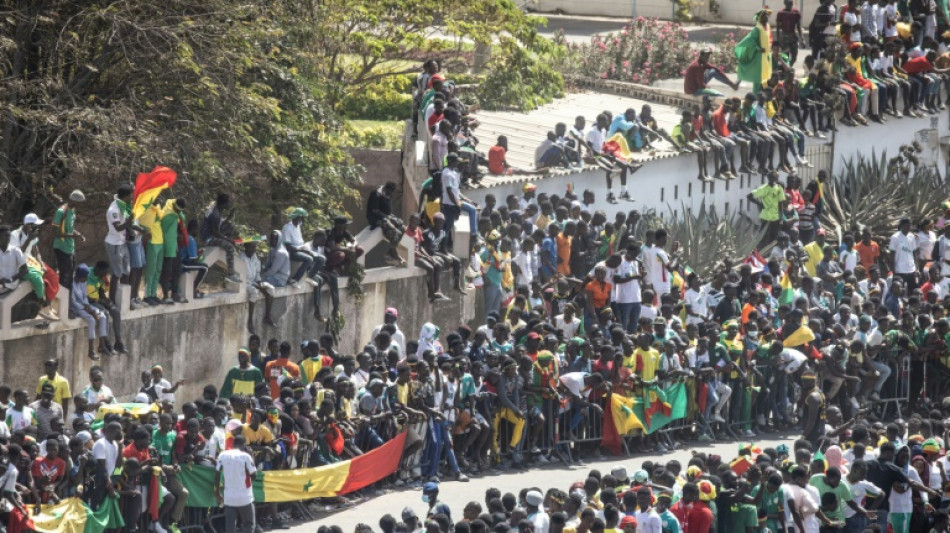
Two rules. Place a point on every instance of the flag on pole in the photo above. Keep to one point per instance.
(149, 185)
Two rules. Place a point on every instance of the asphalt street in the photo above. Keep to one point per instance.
(457, 494)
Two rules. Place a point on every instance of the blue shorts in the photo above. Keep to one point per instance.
(136, 254)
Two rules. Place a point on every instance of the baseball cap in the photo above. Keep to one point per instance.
(392, 311)
(408, 513)
(431, 486)
(32, 218)
(640, 476)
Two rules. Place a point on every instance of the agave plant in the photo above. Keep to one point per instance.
(874, 192)
(706, 237)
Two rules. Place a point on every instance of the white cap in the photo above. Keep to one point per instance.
(534, 498)
(31, 218)
(142, 398)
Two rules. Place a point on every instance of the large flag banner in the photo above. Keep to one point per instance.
(674, 396)
(149, 185)
(787, 296)
(73, 516)
(303, 483)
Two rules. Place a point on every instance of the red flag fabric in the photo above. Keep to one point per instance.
(148, 185)
(154, 497)
(610, 438)
(50, 282)
(374, 465)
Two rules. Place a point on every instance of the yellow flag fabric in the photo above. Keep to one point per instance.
(304, 484)
(624, 417)
(67, 516)
(798, 337)
(622, 143)
(134, 409)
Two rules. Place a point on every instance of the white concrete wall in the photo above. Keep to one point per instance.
(671, 184)
(730, 11)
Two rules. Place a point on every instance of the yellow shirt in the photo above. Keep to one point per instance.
(261, 436)
(402, 393)
(647, 363)
(152, 221)
(61, 392)
(815, 255)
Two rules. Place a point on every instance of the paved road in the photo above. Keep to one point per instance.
(456, 494)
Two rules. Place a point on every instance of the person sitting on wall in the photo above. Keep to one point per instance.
(379, 214)
(700, 72)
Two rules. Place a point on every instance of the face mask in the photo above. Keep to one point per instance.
(425, 498)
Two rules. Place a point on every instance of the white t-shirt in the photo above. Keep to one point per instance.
(654, 262)
(103, 395)
(526, 262)
(859, 490)
(852, 20)
(792, 360)
(925, 244)
(104, 449)
(648, 311)
(11, 261)
(806, 501)
(648, 521)
(213, 445)
(23, 419)
(291, 234)
(903, 503)
(567, 329)
(574, 382)
(890, 24)
(115, 215)
(451, 180)
(904, 247)
(236, 467)
(596, 139)
(629, 292)
(8, 479)
(696, 302)
(160, 389)
(541, 522)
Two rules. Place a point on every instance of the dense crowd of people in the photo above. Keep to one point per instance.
(844, 342)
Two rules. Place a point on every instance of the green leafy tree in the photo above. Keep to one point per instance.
(92, 92)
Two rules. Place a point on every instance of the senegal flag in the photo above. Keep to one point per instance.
(798, 337)
(134, 409)
(149, 185)
(674, 397)
(73, 516)
(303, 483)
(621, 411)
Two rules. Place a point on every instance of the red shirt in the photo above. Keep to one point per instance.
(183, 445)
(720, 123)
(694, 518)
(433, 120)
(787, 20)
(496, 160)
(918, 65)
(53, 469)
(695, 78)
(131, 451)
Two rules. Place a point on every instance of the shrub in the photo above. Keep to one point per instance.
(644, 51)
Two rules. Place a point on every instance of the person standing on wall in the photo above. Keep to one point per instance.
(64, 244)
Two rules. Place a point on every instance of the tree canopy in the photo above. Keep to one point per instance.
(237, 96)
